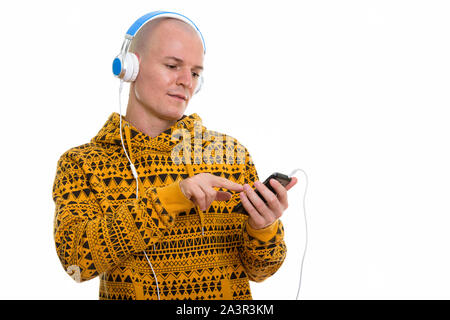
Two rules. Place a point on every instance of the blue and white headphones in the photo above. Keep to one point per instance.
(125, 65)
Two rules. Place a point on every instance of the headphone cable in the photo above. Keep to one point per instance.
(133, 170)
(306, 230)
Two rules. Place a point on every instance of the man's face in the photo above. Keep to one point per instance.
(169, 70)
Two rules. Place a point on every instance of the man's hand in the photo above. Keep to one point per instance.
(199, 189)
(261, 214)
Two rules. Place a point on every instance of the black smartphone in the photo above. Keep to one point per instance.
(281, 178)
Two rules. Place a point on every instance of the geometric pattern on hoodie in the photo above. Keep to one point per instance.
(101, 229)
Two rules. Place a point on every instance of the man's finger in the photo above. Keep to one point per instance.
(292, 183)
(225, 183)
(252, 212)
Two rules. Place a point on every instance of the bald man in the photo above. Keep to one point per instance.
(180, 239)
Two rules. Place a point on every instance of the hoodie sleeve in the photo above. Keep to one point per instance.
(92, 237)
(263, 250)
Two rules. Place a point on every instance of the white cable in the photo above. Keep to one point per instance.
(156, 279)
(133, 170)
(306, 230)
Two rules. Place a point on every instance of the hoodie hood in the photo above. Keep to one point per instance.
(132, 137)
(110, 133)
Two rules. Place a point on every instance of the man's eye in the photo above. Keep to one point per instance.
(195, 75)
(171, 66)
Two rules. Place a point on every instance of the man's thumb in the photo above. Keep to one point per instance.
(223, 196)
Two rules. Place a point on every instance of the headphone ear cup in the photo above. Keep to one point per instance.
(199, 84)
(117, 66)
(131, 66)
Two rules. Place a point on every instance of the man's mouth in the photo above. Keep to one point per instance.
(178, 96)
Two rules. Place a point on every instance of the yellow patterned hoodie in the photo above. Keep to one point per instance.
(101, 229)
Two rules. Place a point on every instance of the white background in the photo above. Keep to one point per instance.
(356, 93)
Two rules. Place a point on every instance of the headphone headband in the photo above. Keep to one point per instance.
(126, 65)
(139, 23)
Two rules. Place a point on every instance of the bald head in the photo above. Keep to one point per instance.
(171, 56)
(152, 32)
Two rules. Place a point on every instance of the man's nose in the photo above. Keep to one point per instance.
(185, 78)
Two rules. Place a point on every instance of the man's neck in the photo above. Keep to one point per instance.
(147, 122)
